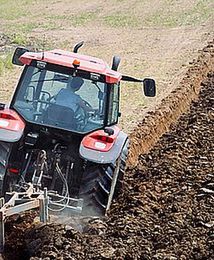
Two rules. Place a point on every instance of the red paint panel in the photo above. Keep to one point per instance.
(10, 120)
(14, 170)
(65, 58)
(100, 141)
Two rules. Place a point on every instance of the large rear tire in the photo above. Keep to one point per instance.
(96, 184)
(5, 149)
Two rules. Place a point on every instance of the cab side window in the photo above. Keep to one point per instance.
(113, 104)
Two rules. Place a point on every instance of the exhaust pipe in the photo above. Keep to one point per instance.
(115, 63)
(77, 46)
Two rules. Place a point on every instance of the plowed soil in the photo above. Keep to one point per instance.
(164, 212)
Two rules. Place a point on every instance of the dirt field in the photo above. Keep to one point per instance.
(166, 208)
(154, 38)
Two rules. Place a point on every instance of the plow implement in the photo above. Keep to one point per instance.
(46, 202)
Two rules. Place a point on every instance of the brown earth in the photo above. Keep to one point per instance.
(158, 121)
(166, 208)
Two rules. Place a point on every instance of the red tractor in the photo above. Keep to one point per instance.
(60, 129)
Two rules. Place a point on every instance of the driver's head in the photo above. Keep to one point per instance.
(75, 83)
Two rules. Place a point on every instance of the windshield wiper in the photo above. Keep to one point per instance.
(39, 70)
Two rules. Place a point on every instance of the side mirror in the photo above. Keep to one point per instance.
(17, 54)
(149, 87)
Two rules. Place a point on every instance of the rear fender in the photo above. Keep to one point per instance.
(98, 147)
(11, 126)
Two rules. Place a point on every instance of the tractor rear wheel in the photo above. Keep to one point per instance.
(5, 149)
(96, 184)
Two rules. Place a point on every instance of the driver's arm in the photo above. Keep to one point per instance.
(87, 108)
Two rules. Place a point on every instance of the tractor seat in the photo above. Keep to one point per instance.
(60, 116)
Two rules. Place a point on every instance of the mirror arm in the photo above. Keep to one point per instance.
(149, 88)
(131, 79)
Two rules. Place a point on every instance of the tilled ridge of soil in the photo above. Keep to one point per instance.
(166, 209)
(157, 122)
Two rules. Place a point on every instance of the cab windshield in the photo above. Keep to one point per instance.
(60, 100)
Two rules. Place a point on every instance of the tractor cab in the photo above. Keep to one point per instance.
(68, 91)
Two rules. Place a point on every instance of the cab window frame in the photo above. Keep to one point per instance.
(113, 99)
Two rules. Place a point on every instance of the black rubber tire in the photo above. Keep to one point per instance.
(96, 184)
(5, 149)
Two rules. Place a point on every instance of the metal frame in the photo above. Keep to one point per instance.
(113, 185)
(32, 199)
(69, 206)
(20, 202)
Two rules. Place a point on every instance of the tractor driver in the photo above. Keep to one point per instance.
(68, 98)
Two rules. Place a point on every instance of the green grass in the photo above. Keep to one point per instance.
(6, 62)
(83, 18)
(12, 10)
(20, 28)
(23, 16)
(11, 14)
(199, 13)
(121, 20)
(57, 17)
(1, 66)
(26, 27)
(170, 17)
(80, 19)
(166, 16)
(50, 25)
(18, 39)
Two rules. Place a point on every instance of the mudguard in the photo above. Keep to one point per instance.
(98, 147)
(11, 126)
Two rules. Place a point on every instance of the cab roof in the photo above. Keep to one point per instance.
(66, 59)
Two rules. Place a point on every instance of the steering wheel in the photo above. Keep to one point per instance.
(82, 115)
(52, 99)
(86, 103)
